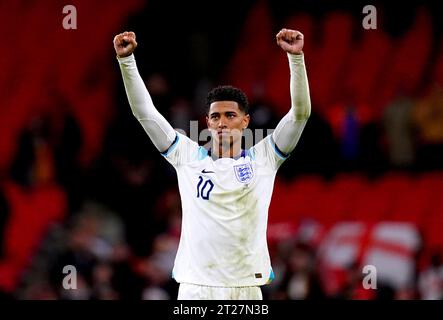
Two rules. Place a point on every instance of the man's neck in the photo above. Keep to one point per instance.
(231, 151)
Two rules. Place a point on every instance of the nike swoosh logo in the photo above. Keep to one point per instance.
(204, 171)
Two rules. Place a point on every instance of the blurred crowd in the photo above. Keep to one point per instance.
(117, 216)
(123, 215)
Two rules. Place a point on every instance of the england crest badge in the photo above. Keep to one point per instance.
(244, 172)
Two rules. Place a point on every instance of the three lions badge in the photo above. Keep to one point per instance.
(244, 173)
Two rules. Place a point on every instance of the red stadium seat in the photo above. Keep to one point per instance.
(371, 205)
(248, 71)
(401, 71)
(332, 206)
(332, 58)
(60, 64)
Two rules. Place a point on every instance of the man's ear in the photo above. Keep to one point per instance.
(207, 121)
(246, 120)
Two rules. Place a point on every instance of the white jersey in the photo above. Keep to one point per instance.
(224, 202)
(225, 206)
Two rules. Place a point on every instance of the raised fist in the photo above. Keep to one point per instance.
(125, 44)
(290, 40)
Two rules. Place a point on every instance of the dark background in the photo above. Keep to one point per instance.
(82, 185)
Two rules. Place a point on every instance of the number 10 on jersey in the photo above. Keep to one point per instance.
(204, 188)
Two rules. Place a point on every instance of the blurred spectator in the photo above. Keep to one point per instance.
(67, 140)
(430, 280)
(39, 289)
(36, 200)
(156, 278)
(160, 91)
(352, 287)
(93, 244)
(157, 268)
(181, 115)
(397, 121)
(124, 183)
(300, 281)
(371, 155)
(262, 115)
(350, 146)
(102, 286)
(78, 253)
(316, 152)
(34, 160)
(48, 149)
(428, 119)
(408, 293)
(263, 122)
(346, 122)
(81, 292)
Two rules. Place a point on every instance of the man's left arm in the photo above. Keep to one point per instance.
(289, 129)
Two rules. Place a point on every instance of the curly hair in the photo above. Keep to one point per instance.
(228, 93)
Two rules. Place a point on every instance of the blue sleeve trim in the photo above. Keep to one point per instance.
(202, 153)
(271, 277)
(172, 147)
(251, 153)
(281, 154)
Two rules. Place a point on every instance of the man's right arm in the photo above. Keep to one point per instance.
(156, 126)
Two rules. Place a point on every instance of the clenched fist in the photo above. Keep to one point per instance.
(125, 44)
(290, 40)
